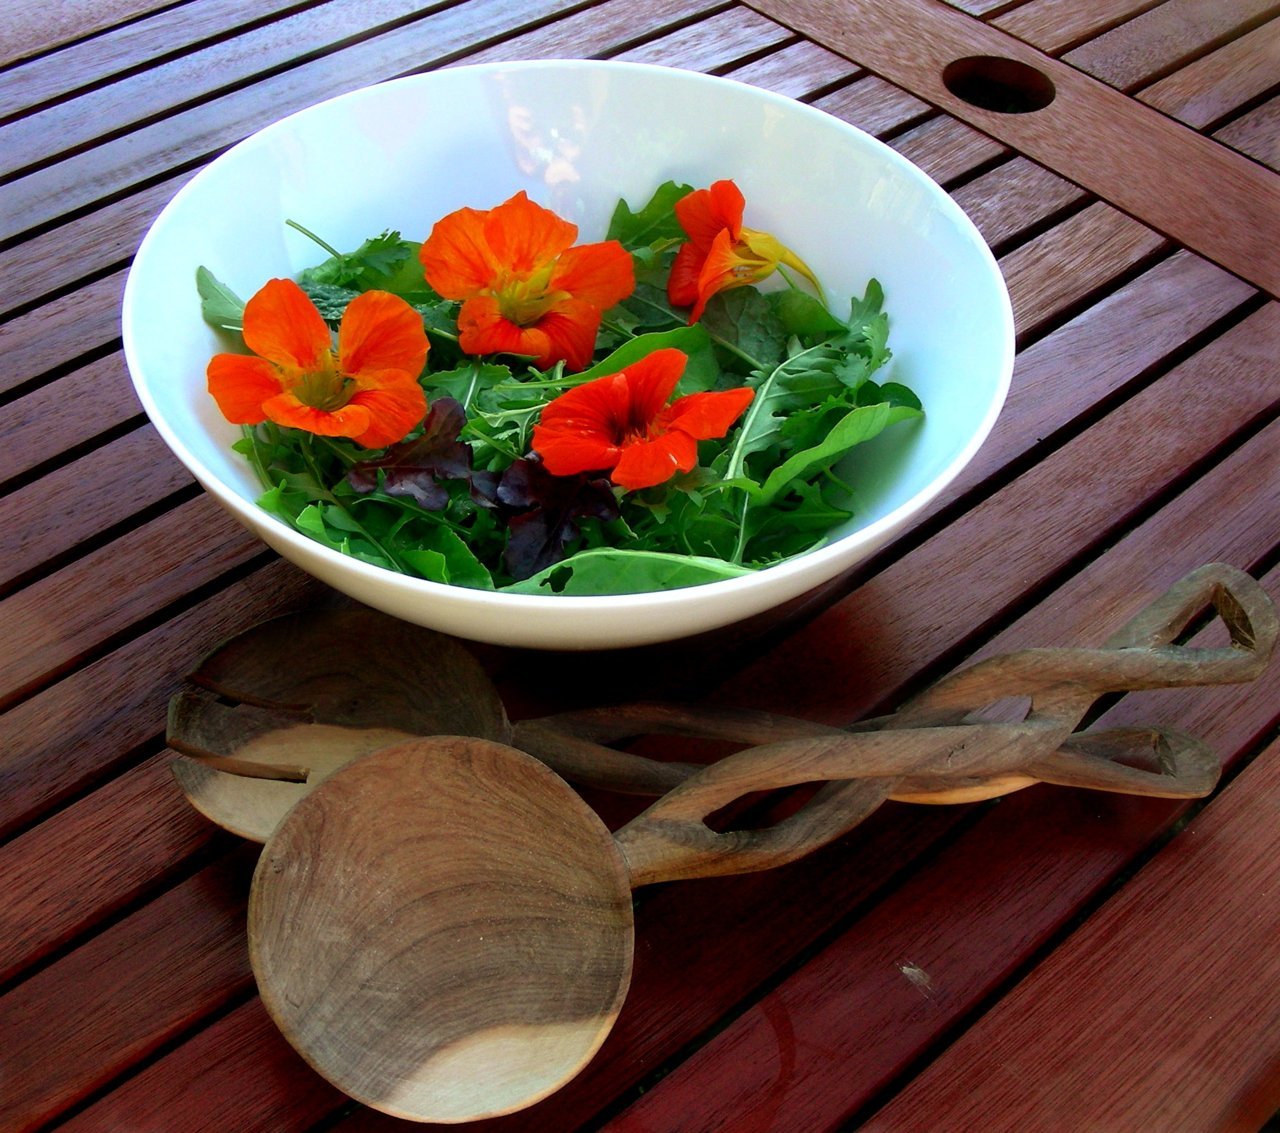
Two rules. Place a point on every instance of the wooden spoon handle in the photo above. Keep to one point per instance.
(671, 839)
(947, 761)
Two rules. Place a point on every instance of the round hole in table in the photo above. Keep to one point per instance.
(1008, 86)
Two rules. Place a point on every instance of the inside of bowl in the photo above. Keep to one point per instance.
(577, 136)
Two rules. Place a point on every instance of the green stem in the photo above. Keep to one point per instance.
(312, 236)
(255, 456)
(309, 458)
(740, 545)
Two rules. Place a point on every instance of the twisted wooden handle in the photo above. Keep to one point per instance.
(928, 751)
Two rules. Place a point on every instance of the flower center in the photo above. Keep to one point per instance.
(526, 300)
(325, 389)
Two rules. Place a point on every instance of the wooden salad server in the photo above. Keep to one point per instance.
(444, 928)
(273, 712)
(277, 709)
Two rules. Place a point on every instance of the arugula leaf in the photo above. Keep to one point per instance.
(655, 222)
(329, 299)
(744, 320)
(856, 426)
(221, 307)
(466, 383)
(804, 316)
(701, 373)
(445, 557)
(621, 571)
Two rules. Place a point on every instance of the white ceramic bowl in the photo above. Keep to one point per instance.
(578, 135)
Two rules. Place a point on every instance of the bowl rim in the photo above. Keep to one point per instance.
(808, 562)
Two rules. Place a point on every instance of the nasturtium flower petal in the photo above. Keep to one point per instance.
(600, 274)
(368, 390)
(380, 331)
(646, 464)
(456, 257)
(682, 283)
(708, 414)
(525, 289)
(346, 421)
(283, 326)
(240, 384)
(650, 384)
(524, 236)
(621, 423)
(705, 212)
(389, 406)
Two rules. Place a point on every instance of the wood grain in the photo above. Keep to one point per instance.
(126, 838)
(145, 472)
(443, 931)
(29, 31)
(797, 70)
(173, 962)
(125, 47)
(722, 39)
(1256, 133)
(1179, 182)
(94, 399)
(1014, 197)
(1164, 37)
(1181, 1013)
(197, 133)
(91, 723)
(238, 1073)
(1054, 25)
(1099, 242)
(1212, 88)
(60, 618)
(62, 331)
(102, 111)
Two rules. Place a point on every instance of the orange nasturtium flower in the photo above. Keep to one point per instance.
(524, 288)
(622, 424)
(368, 390)
(721, 253)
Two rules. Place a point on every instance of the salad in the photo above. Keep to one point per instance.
(499, 406)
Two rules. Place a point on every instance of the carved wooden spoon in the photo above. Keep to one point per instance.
(279, 708)
(443, 929)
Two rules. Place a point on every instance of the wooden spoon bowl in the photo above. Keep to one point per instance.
(444, 931)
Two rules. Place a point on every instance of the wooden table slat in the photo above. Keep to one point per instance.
(32, 30)
(126, 838)
(1153, 971)
(1212, 88)
(85, 120)
(1055, 25)
(1256, 133)
(143, 474)
(190, 937)
(52, 744)
(1163, 38)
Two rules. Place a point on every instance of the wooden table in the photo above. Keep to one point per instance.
(1054, 960)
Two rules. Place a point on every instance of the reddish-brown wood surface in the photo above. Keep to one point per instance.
(1054, 960)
